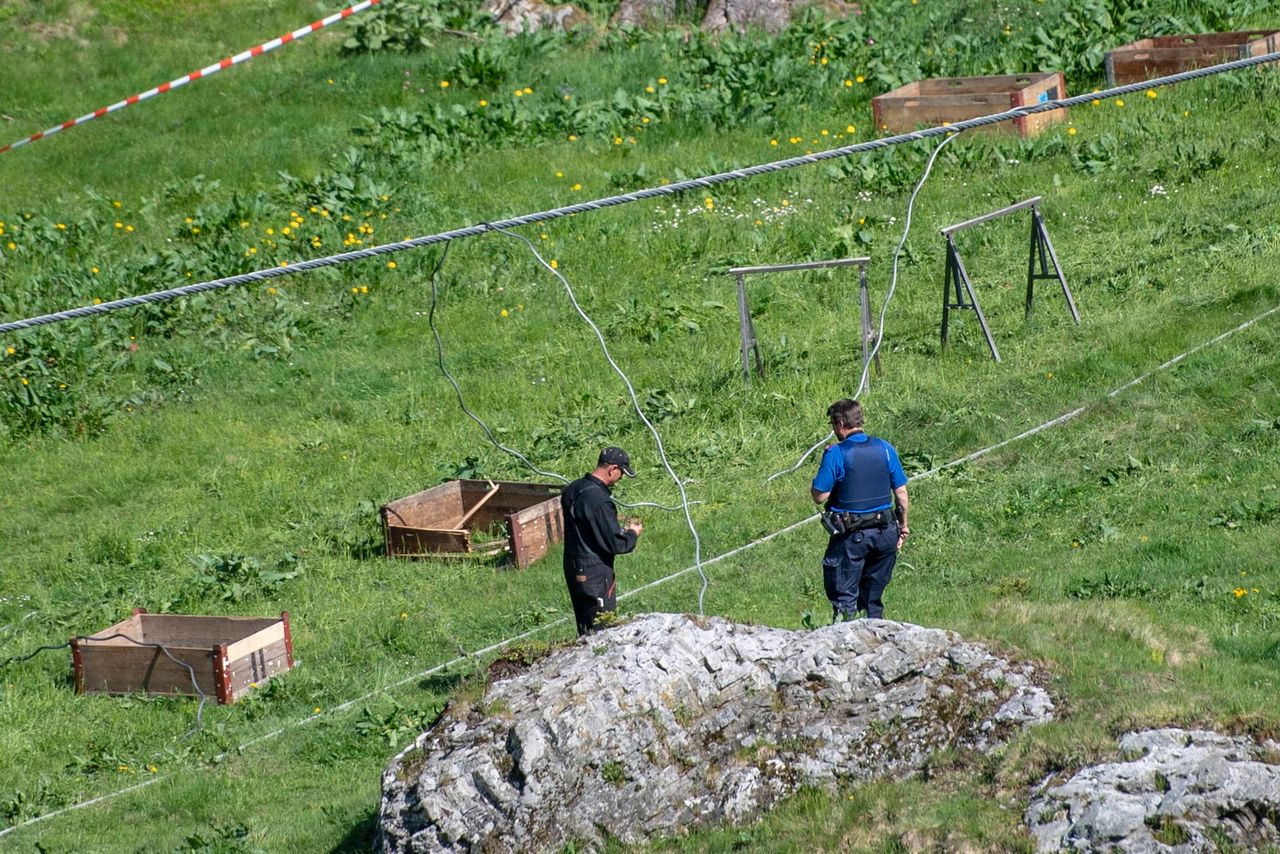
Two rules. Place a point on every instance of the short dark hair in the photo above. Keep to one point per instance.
(846, 414)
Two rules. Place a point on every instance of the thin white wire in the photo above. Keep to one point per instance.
(635, 402)
(893, 285)
(1053, 422)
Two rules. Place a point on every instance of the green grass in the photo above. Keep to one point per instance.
(1111, 548)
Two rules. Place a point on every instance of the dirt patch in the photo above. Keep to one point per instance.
(68, 27)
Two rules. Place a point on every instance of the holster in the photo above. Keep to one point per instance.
(833, 522)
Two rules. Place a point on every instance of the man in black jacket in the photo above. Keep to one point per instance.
(593, 536)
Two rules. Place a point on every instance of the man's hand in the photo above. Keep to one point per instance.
(902, 536)
(637, 526)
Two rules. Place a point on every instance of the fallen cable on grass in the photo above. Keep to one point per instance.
(635, 402)
(18, 659)
(884, 308)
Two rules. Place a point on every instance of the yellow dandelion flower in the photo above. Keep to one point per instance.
(528, 90)
(93, 270)
(317, 710)
(97, 301)
(848, 84)
(119, 224)
(364, 289)
(391, 265)
(1151, 93)
(504, 313)
(117, 204)
(826, 132)
(62, 226)
(773, 142)
(11, 246)
(404, 615)
(483, 102)
(25, 381)
(850, 129)
(576, 187)
(444, 84)
(354, 289)
(662, 81)
(1071, 131)
(617, 140)
(650, 89)
(824, 60)
(10, 350)
(709, 202)
(559, 174)
(1119, 102)
(555, 265)
(271, 291)
(860, 79)
(573, 138)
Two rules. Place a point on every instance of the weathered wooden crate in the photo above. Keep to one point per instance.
(229, 655)
(449, 519)
(942, 100)
(1163, 55)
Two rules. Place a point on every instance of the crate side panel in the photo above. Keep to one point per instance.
(414, 542)
(438, 507)
(257, 666)
(120, 670)
(1000, 83)
(200, 631)
(511, 496)
(534, 530)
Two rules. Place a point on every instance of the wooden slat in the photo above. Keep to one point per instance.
(273, 632)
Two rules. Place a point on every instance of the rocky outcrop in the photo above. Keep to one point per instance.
(1177, 790)
(773, 16)
(530, 16)
(669, 721)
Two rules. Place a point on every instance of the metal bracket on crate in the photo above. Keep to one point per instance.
(1041, 255)
(747, 329)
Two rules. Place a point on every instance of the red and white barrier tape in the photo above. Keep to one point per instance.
(266, 47)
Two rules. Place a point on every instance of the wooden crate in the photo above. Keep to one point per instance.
(229, 655)
(942, 100)
(446, 519)
(1163, 55)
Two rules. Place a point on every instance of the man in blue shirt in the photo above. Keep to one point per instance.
(859, 481)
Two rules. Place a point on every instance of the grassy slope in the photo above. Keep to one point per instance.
(276, 456)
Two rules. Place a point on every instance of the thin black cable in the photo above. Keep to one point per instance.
(18, 659)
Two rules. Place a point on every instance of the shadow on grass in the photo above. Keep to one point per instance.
(360, 837)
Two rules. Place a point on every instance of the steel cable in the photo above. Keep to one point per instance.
(705, 182)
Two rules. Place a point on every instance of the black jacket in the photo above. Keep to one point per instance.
(592, 532)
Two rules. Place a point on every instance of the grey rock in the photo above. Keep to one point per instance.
(668, 722)
(530, 16)
(1183, 791)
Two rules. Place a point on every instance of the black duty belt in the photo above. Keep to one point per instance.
(837, 522)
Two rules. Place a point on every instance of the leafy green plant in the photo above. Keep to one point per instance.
(235, 577)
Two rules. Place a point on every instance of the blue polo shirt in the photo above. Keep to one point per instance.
(832, 469)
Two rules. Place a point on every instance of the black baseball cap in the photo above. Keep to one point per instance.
(617, 457)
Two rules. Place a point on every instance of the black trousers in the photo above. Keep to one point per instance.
(857, 568)
(592, 591)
